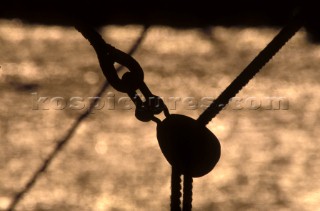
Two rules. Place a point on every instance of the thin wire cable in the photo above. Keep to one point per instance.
(69, 134)
(251, 70)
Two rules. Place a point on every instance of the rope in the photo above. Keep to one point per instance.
(69, 133)
(187, 192)
(251, 70)
(176, 191)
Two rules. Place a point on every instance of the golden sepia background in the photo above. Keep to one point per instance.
(270, 157)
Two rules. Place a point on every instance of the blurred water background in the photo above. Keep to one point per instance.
(270, 155)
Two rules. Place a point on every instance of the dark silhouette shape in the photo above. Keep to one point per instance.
(177, 14)
(175, 204)
(185, 13)
(191, 149)
(66, 138)
(131, 81)
(175, 190)
(310, 14)
(108, 55)
(187, 145)
(187, 193)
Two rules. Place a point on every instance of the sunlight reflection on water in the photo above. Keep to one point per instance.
(113, 162)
